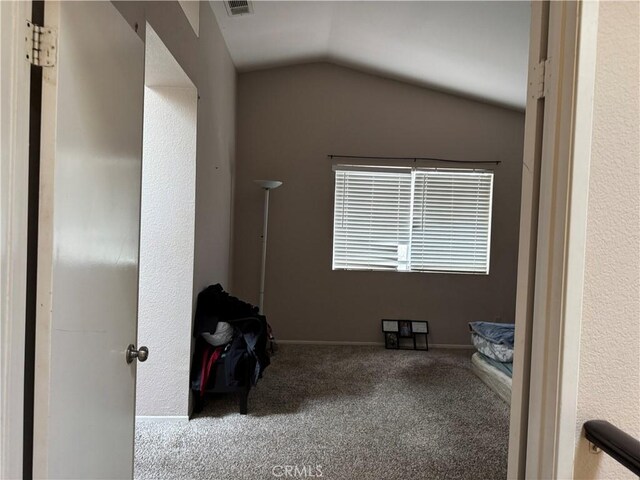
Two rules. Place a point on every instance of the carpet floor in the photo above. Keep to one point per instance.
(345, 412)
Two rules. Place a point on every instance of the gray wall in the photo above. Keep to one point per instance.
(289, 119)
(207, 62)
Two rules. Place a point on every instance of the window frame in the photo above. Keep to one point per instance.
(412, 172)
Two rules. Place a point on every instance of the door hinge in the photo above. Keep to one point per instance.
(40, 45)
(538, 80)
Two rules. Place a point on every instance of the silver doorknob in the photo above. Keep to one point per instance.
(141, 354)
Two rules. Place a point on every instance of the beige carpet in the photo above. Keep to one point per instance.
(347, 412)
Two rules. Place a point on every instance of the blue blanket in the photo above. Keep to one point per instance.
(501, 333)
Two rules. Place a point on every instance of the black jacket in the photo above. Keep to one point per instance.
(247, 356)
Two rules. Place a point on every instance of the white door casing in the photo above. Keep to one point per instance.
(528, 242)
(552, 240)
(89, 221)
(14, 181)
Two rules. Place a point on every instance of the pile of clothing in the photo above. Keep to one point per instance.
(231, 341)
(494, 342)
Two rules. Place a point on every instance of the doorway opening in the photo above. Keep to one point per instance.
(114, 125)
(167, 224)
(332, 393)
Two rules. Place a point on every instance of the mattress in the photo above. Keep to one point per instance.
(492, 377)
(504, 367)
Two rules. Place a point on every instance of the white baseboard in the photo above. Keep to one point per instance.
(356, 344)
(162, 418)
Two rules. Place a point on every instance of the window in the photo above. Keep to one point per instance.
(412, 219)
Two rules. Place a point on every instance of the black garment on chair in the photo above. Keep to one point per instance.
(249, 346)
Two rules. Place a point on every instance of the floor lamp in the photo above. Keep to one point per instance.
(266, 185)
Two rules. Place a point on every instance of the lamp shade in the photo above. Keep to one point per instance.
(268, 184)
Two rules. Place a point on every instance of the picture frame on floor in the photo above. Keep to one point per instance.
(405, 329)
(391, 341)
(420, 327)
(390, 326)
(405, 334)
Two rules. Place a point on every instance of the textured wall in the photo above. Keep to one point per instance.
(166, 250)
(289, 119)
(208, 64)
(216, 156)
(191, 9)
(609, 385)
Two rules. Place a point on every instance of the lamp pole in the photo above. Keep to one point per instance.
(266, 185)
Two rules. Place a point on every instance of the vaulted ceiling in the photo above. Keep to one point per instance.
(477, 49)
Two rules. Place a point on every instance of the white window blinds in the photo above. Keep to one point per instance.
(451, 221)
(372, 219)
(416, 219)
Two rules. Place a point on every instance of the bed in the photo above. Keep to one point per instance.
(495, 379)
(493, 361)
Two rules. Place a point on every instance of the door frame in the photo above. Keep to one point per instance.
(552, 241)
(14, 205)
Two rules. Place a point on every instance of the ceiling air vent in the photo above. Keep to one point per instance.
(238, 7)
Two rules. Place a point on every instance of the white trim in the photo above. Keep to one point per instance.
(529, 203)
(551, 275)
(583, 88)
(367, 344)
(549, 302)
(14, 180)
(44, 284)
(162, 418)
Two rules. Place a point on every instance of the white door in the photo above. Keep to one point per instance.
(89, 225)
